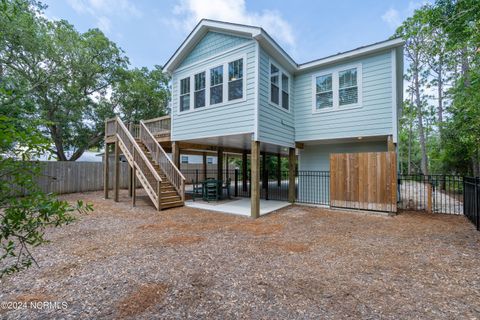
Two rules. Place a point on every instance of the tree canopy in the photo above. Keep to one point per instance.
(72, 80)
(440, 126)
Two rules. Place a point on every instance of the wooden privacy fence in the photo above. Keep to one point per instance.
(69, 177)
(366, 181)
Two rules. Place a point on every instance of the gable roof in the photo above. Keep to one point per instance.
(269, 44)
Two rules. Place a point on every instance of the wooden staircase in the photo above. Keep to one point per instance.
(160, 178)
(170, 198)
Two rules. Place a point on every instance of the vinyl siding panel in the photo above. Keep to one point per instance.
(229, 118)
(373, 118)
(212, 44)
(275, 124)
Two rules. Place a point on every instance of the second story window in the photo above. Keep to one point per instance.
(209, 160)
(338, 88)
(216, 85)
(285, 92)
(274, 91)
(235, 79)
(184, 94)
(279, 87)
(199, 100)
(348, 89)
(184, 159)
(324, 92)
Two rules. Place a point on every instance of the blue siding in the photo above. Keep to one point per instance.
(230, 118)
(374, 118)
(317, 158)
(275, 124)
(212, 44)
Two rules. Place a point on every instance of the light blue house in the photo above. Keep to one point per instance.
(234, 89)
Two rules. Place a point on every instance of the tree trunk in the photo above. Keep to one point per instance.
(421, 131)
(409, 164)
(440, 94)
(57, 140)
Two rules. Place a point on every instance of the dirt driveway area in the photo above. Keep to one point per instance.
(299, 262)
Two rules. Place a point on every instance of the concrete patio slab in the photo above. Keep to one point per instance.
(239, 206)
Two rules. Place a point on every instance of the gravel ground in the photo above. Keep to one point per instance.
(299, 262)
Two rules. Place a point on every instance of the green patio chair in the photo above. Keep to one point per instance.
(210, 190)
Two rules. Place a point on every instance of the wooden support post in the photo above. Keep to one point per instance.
(279, 170)
(117, 171)
(226, 167)
(106, 170)
(134, 185)
(244, 171)
(159, 198)
(204, 165)
(176, 154)
(390, 144)
(255, 179)
(264, 170)
(292, 161)
(220, 167)
(429, 198)
(130, 178)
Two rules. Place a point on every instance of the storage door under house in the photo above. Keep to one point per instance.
(366, 181)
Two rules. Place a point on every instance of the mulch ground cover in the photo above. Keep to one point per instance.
(298, 262)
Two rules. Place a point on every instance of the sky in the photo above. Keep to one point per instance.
(149, 31)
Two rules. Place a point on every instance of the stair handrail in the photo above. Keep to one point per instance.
(160, 156)
(137, 149)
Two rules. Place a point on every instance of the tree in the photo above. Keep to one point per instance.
(63, 71)
(413, 32)
(23, 219)
(141, 94)
(72, 80)
(442, 53)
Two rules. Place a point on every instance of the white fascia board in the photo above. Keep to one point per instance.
(352, 54)
(199, 31)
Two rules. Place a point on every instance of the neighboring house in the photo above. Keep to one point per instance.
(233, 84)
(87, 156)
(196, 159)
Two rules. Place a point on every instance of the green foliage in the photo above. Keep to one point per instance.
(442, 49)
(142, 94)
(23, 220)
(72, 80)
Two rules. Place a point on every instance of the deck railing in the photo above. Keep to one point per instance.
(159, 125)
(146, 173)
(159, 155)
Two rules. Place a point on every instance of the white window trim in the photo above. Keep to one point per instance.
(280, 71)
(194, 91)
(224, 62)
(336, 87)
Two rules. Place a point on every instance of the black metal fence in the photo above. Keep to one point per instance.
(313, 187)
(431, 193)
(471, 203)
(310, 186)
(449, 194)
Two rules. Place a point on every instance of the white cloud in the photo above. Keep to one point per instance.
(394, 17)
(102, 10)
(187, 13)
(103, 23)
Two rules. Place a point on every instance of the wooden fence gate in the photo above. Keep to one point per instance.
(366, 181)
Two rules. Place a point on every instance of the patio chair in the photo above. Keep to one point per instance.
(197, 189)
(210, 190)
